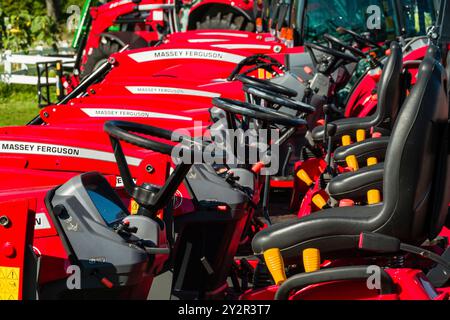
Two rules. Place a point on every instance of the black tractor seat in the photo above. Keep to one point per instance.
(390, 96)
(415, 200)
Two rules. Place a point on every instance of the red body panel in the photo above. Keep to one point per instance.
(411, 285)
(15, 238)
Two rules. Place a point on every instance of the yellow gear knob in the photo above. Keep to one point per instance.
(311, 259)
(319, 201)
(275, 264)
(360, 135)
(303, 175)
(372, 161)
(134, 207)
(352, 162)
(373, 196)
(346, 140)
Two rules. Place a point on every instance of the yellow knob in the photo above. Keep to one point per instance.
(311, 259)
(346, 140)
(275, 264)
(360, 135)
(373, 196)
(261, 73)
(134, 207)
(303, 175)
(352, 162)
(319, 201)
(372, 161)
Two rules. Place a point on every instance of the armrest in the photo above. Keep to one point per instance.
(355, 185)
(374, 147)
(347, 126)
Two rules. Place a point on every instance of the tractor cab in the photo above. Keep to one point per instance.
(378, 20)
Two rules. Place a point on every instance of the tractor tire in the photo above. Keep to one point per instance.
(99, 56)
(227, 21)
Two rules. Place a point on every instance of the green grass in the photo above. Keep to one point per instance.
(18, 104)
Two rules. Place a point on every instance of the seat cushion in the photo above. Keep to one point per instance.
(328, 230)
(347, 126)
(354, 185)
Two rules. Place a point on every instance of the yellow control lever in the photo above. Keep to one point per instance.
(275, 264)
(352, 162)
(346, 140)
(360, 135)
(319, 201)
(311, 259)
(303, 176)
(373, 196)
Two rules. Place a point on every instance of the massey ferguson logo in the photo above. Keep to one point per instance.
(165, 54)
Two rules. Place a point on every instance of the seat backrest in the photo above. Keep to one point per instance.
(390, 88)
(414, 166)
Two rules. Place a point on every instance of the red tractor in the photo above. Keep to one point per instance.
(107, 28)
(83, 219)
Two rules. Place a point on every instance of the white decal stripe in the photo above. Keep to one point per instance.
(125, 113)
(199, 54)
(168, 90)
(23, 147)
(237, 35)
(207, 40)
(241, 46)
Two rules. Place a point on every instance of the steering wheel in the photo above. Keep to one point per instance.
(358, 38)
(278, 99)
(333, 40)
(267, 85)
(258, 61)
(149, 198)
(258, 112)
(345, 57)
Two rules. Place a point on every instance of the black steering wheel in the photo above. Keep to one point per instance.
(342, 45)
(258, 61)
(258, 112)
(267, 85)
(126, 131)
(358, 38)
(345, 57)
(149, 198)
(278, 99)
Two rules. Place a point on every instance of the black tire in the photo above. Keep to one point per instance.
(99, 55)
(225, 21)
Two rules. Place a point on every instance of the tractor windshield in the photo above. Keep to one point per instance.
(381, 19)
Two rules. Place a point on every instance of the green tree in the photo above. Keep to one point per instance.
(25, 23)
